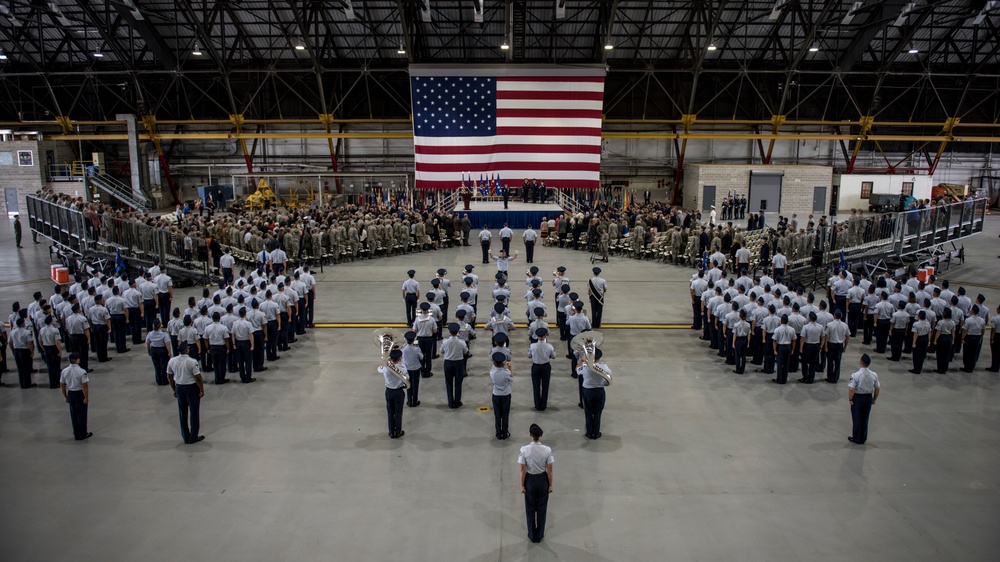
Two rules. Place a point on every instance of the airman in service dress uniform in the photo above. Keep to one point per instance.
(394, 394)
(501, 378)
(862, 392)
(189, 388)
(74, 383)
(536, 462)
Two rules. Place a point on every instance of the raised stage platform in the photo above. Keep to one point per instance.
(517, 214)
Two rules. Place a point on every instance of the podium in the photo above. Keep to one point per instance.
(466, 199)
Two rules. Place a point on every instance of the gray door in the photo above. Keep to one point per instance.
(765, 192)
(11, 194)
(707, 197)
(819, 199)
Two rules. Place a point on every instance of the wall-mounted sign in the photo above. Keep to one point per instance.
(25, 158)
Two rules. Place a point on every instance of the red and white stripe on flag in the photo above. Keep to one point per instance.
(516, 122)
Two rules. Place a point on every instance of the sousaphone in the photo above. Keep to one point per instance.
(388, 339)
(588, 342)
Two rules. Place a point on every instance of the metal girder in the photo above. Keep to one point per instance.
(885, 13)
(150, 35)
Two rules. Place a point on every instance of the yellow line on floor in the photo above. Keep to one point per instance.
(30, 282)
(604, 327)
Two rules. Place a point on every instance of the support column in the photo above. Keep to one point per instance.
(136, 164)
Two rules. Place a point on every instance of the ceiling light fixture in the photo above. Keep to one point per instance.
(3, 56)
(814, 48)
(913, 50)
(608, 46)
(98, 54)
(401, 50)
(504, 46)
(712, 47)
(196, 52)
(299, 46)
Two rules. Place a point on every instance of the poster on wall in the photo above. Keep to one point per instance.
(25, 158)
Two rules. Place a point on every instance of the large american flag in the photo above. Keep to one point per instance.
(517, 122)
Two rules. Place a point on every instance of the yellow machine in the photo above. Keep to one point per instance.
(264, 196)
(300, 194)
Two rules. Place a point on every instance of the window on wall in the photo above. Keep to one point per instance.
(908, 188)
(866, 189)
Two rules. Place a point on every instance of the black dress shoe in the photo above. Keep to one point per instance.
(851, 439)
(459, 405)
(262, 369)
(580, 404)
(598, 435)
(252, 379)
(914, 372)
(33, 371)
(197, 439)
(400, 434)
(87, 436)
(776, 381)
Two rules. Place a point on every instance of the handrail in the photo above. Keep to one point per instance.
(120, 191)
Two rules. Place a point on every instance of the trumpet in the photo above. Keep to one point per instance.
(388, 339)
(587, 342)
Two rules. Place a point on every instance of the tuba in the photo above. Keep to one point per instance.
(388, 339)
(587, 342)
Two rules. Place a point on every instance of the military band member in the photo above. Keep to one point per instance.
(412, 358)
(411, 295)
(501, 378)
(541, 354)
(593, 393)
(455, 352)
(394, 393)
(597, 289)
(426, 328)
(444, 284)
(484, 241)
(499, 322)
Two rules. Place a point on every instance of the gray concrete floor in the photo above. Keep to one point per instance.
(696, 463)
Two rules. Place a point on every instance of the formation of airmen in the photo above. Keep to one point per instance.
(782, 329)
(434, 334)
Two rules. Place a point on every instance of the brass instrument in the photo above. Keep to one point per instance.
(388, 339)
(588, 342)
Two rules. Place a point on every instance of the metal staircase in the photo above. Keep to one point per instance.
(120, 191)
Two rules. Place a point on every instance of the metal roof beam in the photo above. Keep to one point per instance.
(887, 11)
(152, 38)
